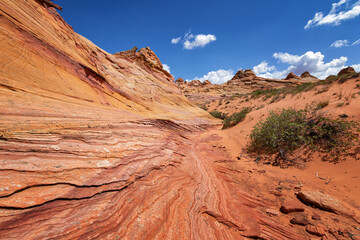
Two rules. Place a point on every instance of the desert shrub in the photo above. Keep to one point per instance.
(333, 136)
(281, 132)
(204, 107)
(340, 104)
(235, 118)
(321, 105)
(286, 130)
(217, 114)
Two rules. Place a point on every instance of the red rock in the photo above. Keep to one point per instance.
(272, 212)
(291, 76)
(307, 75)
(347, 70)
(316, 216)
(243, 82)
(179, 80)
(324, 202)
(147, 59)
(291, 205)
(195, 83)
(206, 83)
(316, 230)
(300, 220)
(276, 193)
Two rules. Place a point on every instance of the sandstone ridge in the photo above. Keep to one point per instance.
(244, 81)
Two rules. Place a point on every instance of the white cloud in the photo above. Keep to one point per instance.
(340, 43)
(335, 17)
(166, 67)
(218, 77)
(310, 61)
(263, 67)
(357, 42)
(191, 41)
(356, 67)
(199, 40)
(175, 40)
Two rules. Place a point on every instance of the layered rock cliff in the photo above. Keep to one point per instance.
(102, 146)
(243, 82)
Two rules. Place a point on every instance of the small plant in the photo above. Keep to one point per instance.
(235, 118)
(260, 107)
(217, 114)
(287, 130)
(321, 105)
(204, 107)
(340, 104)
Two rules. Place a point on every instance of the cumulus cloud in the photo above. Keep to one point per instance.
(218, 77)
(339, 12)
(166, 67)
(357, 42)
(263, 67)
(199, 40)
(175, 40)
(310, 61)
(191, 41)
(340, 43)
(356, 67)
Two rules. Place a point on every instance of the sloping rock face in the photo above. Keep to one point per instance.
(291, 76)
(347, 70)
(147, 59)
(324, 202)
(101, 146)
(306, 75)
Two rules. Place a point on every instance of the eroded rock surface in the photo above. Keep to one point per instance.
(325, 202)
(101, 146)
(347, 70)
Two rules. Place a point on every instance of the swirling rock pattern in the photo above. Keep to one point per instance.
(96, 146)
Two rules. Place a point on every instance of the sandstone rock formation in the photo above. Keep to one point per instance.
(316, 230)
(206, 83)
(146, 57)
(291, 76)
(324, 202)
(49, 3)
(244, 81)
(306, 75)
(347, 70)
(102, 146)
(195, 83)
(179, 80)
(291, 205)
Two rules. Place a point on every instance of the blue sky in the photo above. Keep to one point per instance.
(217, 38)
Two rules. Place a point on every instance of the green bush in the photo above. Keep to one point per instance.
(204, 107)
(340, 104)
(217, 114)
(286, 130)
(235, 118)
(321, 105)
